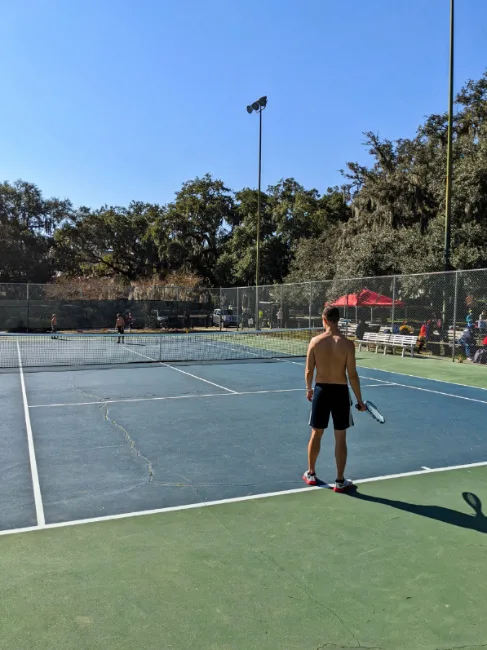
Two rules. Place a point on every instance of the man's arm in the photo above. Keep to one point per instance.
(353, 375)
(310, 370)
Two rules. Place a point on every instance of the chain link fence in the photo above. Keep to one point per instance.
(446, 311)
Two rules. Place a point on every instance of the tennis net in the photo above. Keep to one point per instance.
(91, 349)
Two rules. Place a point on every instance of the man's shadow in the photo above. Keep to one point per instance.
(475, 521)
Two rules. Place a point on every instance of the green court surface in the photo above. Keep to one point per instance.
(400, 565)
(470, 374)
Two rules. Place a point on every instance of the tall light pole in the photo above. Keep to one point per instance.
(258, 107)
(449, 160)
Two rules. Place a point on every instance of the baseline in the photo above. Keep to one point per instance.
(205, 504)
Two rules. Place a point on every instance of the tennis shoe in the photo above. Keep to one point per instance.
(343, 486)
(310, 478)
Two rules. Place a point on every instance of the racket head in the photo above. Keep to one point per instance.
(374, 412)
(473, 501)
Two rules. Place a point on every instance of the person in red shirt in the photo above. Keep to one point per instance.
(422, 337)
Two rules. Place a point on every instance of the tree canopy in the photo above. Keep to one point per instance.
(386, 217)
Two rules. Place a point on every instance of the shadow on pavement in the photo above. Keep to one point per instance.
(476, 521)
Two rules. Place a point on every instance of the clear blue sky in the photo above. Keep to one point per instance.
(104, 101)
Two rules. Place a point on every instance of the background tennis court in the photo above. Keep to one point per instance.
(83, 443)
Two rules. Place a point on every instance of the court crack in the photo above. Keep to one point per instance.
(130, 440)
(475, 646)
(332, 646)
(85, 393)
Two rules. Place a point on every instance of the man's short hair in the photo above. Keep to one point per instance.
(331, 314)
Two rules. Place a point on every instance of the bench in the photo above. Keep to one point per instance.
(403, 341)
(347, 328)
(373, 338)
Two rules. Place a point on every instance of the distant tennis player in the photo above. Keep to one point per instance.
(53, 326)
(120, 325)
(333, 356)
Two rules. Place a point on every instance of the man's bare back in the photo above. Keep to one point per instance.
(328, 353)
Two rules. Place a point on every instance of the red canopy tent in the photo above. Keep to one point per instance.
(366, 298)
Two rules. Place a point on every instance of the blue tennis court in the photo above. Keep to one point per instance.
(82, 443)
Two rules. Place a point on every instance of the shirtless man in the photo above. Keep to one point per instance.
(53, 326)
(333, 356)
(120, 325)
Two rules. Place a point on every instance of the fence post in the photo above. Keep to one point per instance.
(177, 307)
(393, 301)
(221, 315)
(257, 314)
(455, 299)
(238, 310)
(309, 304)
(28, 308)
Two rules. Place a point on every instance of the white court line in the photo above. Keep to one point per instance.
(428, 469)
(41, 521)
(426, 390)
(252, 497)
(429, 390)
(225, 345)
(441, 381)
(158, 399)
(166, 365)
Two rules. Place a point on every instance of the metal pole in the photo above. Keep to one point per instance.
(454, 317)
(449, 159)
(238, 311)
(28, 307)
(393, 300)
(309, 304)
(257, 261)
(221, 309)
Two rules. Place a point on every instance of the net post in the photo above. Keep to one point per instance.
(160, 347)
(455, 299)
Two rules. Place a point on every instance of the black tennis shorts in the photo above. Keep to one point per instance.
(334, 399)
(121, 329)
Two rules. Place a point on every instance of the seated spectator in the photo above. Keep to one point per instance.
(361, 329)
(467, 341)
(483, 321)
(405, 329)
(481, 355)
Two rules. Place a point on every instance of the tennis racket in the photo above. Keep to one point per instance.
(374, 411)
